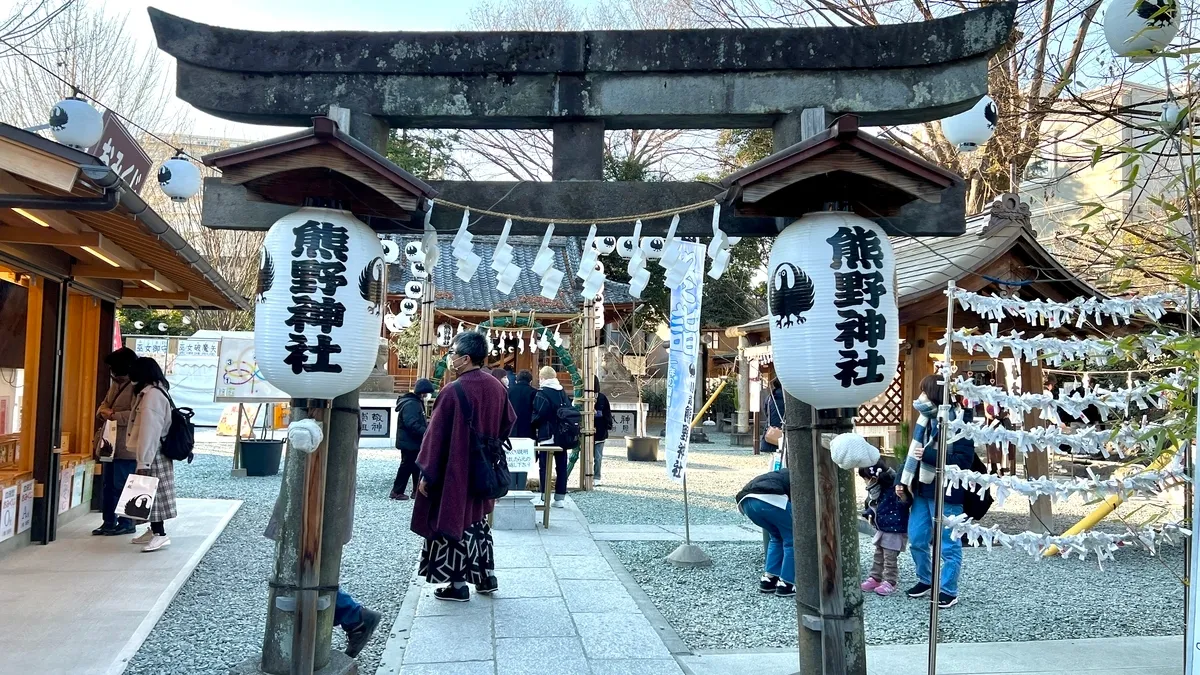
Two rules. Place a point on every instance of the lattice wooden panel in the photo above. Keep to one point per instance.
(886, 408)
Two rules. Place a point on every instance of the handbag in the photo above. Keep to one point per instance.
(773, 435)
(104, 444)
(488, 476)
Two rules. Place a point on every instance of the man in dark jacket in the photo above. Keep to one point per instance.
(410, 431)
(521, 396)
(604, 424)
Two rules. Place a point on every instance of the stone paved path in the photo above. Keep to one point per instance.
(561, 608)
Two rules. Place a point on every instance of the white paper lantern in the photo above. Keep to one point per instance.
(604, 245)
(391, 251)
(418, 270)
(833, 318)
(139, 325)
(1138, 28)
(445, 335)
(409, 306)
(179, 179)
(317, 328)
(162, 327)
(74, 122)
(968, 131)
(187, 321)
(414, 252)
(626, 246)
(414, 290)
(653, 247)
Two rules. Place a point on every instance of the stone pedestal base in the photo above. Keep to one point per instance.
(698, 435)
(379, 384)
(514, 511)
(741, 439)
(339, 664)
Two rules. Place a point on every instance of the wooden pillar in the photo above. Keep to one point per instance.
(1037, 463)
(587, 436)
(743, 366)
(43, 429)
(916, 366)
(425, 335)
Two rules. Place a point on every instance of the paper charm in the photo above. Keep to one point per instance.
(429, 242)
(638, 275)
(594, 282)
(719, 247)
(544, 341)
(464, 254)
(551, 281)
(588, 256)
(671, 246)
(545, 256)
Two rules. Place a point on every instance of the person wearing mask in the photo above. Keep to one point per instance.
(550, 397)
(410, 431)
(767, 501)
(458, 547)
(116, 409)
(772, 415)
(604, 424)
(501, 375)
(521, 395)
(148, 426)
(917, 487)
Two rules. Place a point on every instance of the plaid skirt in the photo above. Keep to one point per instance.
(164, 498)
(469, 559)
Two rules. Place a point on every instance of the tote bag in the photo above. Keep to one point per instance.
(138, 497)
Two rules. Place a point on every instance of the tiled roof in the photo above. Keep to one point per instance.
(480, 293)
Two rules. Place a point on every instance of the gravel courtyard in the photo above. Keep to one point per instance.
(218, 617)
(1005, 595)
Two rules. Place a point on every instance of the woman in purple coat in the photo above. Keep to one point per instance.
(458, 542)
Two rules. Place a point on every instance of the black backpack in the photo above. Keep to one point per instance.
(568, 423)
(487, 466)
(181, 437)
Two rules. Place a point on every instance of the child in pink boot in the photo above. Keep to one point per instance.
(888, 514)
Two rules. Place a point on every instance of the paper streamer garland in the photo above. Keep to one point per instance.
(1090, 489)
(639, 276)
(507, 272)
(467, 261)
(1072, 404)
(1055, 314)
(1056, 351)
(1034, 544)
(1087, 439)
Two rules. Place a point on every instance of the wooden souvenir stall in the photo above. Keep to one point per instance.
(71, 252)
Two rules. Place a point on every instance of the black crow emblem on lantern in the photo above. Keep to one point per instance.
(412, 249)
(610, 243)
(791, 295)
(370, 284)
(1157, 13)
(657, 244)
(266, 277)
(164, 175)
(58, 118)
(991, 115)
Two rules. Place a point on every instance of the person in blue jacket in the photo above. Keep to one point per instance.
(917, 481)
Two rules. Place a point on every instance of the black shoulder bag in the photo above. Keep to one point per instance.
(487, 469)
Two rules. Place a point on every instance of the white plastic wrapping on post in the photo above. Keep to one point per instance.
(304, 435)
(852, 451)
(320, 313)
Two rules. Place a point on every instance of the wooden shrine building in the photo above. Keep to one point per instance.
(75, 243)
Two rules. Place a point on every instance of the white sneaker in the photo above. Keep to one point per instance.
(559, 503)
(537, 501)
(143, 538)
(597, 481)
(156, 543)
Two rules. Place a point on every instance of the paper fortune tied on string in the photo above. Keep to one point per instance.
(320, 313)
(833, 318)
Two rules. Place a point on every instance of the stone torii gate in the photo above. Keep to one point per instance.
(579, 85)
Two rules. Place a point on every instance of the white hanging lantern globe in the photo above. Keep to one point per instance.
(409, 306)
(604, 245)
(162, 327)
(653, 247)
(391, 251)
(833, 317)
(320, 314)
(186, 321)
(968, 131)
(418, 270)
(414, 290)
(139, 325)
(626, 246)
(1139, 28)
(445, 335)
(414, 252)
(74, 122)
(179, 179)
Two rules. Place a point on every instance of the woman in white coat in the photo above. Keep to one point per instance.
(148, 427)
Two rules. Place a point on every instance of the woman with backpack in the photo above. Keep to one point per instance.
(546, 422)
(916, 484)
(148, 426)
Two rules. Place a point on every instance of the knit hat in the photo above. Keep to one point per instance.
(422, 387)
(547, 373)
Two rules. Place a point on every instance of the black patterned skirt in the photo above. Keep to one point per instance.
(468, 560)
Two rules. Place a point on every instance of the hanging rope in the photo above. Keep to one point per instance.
(585, 221)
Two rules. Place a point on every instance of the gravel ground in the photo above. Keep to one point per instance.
(641, 493)
(218, 617)
(1004, 596)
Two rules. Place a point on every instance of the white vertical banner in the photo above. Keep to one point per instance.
(684, 349)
